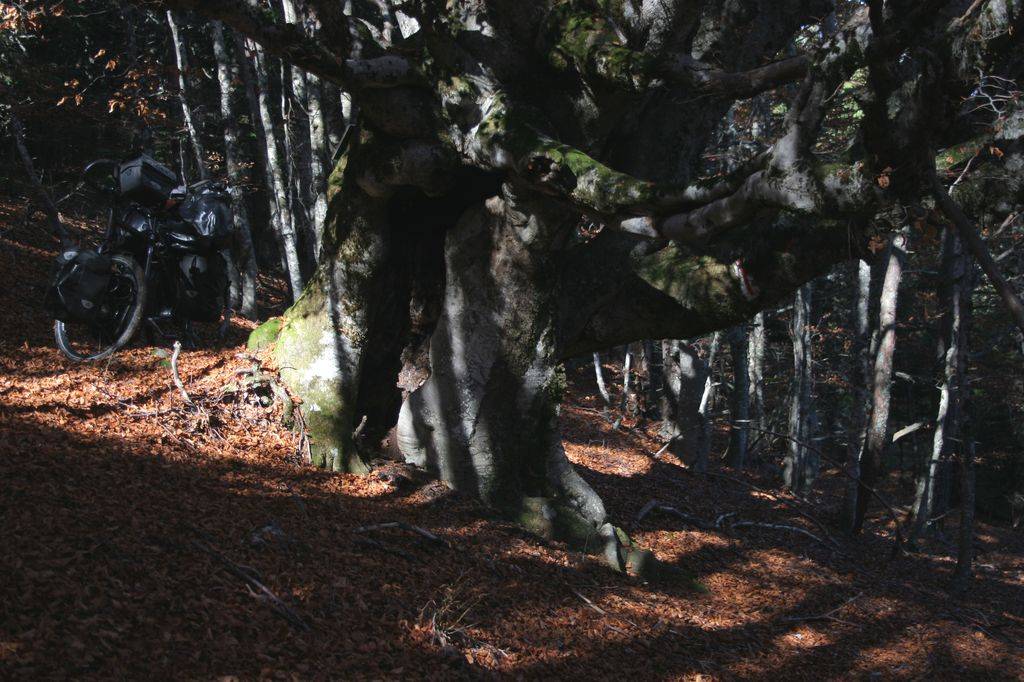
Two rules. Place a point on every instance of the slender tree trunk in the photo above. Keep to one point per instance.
(707, 401)
(43, 195)
(956, 270)
(860, 372)
(683, 423)
(652, 365)
(245, 253)
(318, 152)
(876, 439)
(181, 58)
(306, 173)
(243, 61)
(601, 386)
(627, 373)
(755, 376)
(279, 188)
(739, 429)
(802, 460)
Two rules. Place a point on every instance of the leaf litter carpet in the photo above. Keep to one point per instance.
(144, 539)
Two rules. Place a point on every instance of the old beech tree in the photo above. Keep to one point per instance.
(527, 184)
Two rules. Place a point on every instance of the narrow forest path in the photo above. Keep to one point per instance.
(128, 524)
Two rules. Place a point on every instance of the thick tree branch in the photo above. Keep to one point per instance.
(702, 78)
(42, 194)
(329, 60)
(969, 233)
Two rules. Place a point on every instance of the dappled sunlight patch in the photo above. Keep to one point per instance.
(111, 485)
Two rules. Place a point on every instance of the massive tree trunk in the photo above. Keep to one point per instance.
(596, 118)
(486, 419)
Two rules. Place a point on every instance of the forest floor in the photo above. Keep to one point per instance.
(135, 533)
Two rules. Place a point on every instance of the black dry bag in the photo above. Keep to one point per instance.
(81, 279)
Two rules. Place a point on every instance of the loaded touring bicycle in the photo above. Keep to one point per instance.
(163, 260)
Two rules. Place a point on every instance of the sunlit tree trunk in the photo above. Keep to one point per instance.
(245, 252)
(755, 377)
(279, 188)
(876, 439)
(181, 58)
(602, 388)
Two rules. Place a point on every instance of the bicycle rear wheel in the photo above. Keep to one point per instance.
(119, 317)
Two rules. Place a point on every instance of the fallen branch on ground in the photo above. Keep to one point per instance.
(402, 525)
(720, 525)
(177, 377)
(384, 547)
(777, 526)
(654, 505)
(829, 614)
(256, 588)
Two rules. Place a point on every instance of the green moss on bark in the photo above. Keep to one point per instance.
(265, 334)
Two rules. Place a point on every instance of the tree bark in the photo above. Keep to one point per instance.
(245, 254)
(755, 377)
(279, 188)
(957, 272)
(707, 401)
(860, 378)
(739, 428)
(486, 421)
(181, 58)
(602, 388)
(802, 460)
(683, 422)
(876, 439)
(627, 376)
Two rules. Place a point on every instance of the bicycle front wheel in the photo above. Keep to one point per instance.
(119, 317)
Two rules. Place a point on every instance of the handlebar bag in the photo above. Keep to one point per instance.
(146, 181)
(81, 280)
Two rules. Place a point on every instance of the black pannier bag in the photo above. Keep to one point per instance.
(202, 288)
(146, 181)
(80, 282)
(207, 208)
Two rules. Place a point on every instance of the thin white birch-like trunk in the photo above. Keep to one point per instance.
(279, 188)
(707, 399)
(876, 439)
(245, 253)
(755, 375)
(601, 386)
(181, 58)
